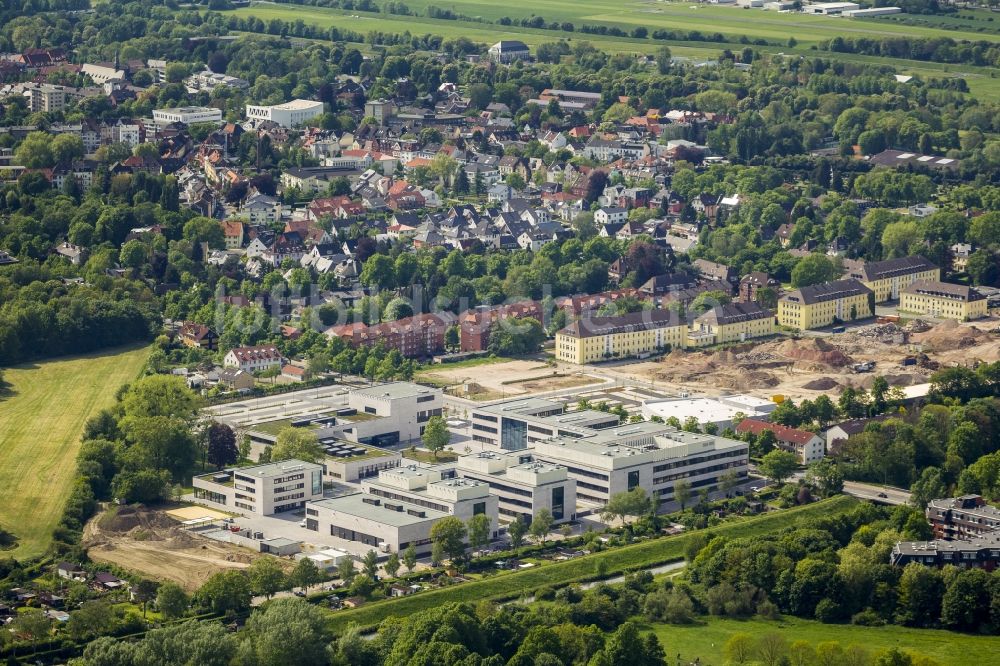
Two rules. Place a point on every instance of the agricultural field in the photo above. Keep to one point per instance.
(706, 640)
(733, 22)
(42, 413)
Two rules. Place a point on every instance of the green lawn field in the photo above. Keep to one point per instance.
(708, 19)
(42, 413)
(707, 640)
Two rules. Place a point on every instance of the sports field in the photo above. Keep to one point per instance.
(732, 22)
(42, 413)
(707, 640)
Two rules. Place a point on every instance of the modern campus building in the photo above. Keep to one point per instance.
(188, 115)
(592, 339)
(263, 490)
(733, 322)
(889, 278)
(824, 304)
(352, 431)
(400, 508)
(288, 115)
(523, 487)
(652, 456)
(604, 457)
(518, 424)
(943, 300)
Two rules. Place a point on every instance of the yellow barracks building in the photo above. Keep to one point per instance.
(889, 278)
(594, 339)
(823, 304)
(943, 300)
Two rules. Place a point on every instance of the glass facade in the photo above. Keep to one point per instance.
(633, 479)
(317, 481)
(558, 503)
(513, 435)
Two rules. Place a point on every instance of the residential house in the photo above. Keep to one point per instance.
(235, 379)
(196, 335)
(752, 283)
(807, 446)
(234, 234)
(253, 359)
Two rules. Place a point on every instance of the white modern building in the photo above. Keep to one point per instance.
(400, 508)
(605, 458)
(723, 411)
(522, 486)
(518, 424)
(188, 115)
(831, 8)
(262, 490)
(290, 114)
(645, 455)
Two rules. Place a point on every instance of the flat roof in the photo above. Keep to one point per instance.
(297, 105)
(272, 469)
(709, 410)
(395, 390)
(354, 505)
(188, 109)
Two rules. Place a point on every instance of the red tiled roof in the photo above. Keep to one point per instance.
(781, 433)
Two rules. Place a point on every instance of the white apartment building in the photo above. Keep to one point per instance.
(262, 490)
(400, 508)
(523, 487)
(289, 114)
(253, 359)
(187, 115)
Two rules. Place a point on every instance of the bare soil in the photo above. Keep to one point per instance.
(152, 543)
(807, 367)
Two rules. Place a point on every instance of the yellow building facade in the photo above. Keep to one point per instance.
(943, 300)
(887, 279)
(825, 304)
(594, 339)
(734, 322)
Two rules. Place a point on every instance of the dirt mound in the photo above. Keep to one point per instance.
(814, 350)
(950, 335)
(821, 384)
(744, 379)
(902, 379)
(122, 519)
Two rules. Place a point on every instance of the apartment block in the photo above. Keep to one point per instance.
(943, 300)
(825, 304)
(523, 487)
(967, 532)
(887, 279)
(641, 333)
(400, 508)
(262, 490)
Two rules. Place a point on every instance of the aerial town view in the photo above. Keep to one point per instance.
(564, 333)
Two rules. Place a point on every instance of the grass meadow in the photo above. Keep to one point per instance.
(42, 412)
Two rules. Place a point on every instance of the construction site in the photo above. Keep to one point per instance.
(158, 544)
(805, 367)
